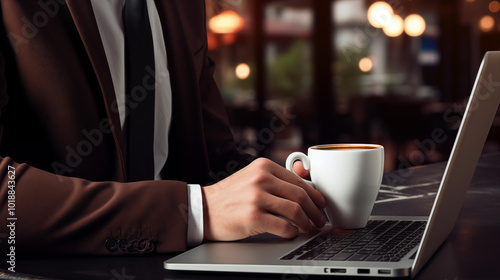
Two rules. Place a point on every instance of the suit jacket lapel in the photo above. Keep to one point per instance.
(84, 19)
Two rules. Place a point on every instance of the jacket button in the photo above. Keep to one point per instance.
(111, 244)
(123, 245)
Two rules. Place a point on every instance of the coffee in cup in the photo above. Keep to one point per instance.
(349, 177)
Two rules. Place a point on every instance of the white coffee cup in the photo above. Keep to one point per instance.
(348, 176)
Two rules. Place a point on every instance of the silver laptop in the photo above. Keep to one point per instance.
(395, 246)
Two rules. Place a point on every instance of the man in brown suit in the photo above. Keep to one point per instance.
(62, 139)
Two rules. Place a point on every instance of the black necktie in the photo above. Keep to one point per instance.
(140, 90)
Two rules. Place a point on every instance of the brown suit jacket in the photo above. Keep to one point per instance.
(61, 133)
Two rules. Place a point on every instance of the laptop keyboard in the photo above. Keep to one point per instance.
(387, 241)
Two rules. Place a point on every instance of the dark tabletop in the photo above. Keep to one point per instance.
(472, 251)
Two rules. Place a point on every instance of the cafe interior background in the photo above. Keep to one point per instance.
(296, 73)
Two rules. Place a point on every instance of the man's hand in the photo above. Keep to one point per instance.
(250, 202)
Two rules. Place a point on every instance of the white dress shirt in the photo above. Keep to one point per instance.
(109, 19)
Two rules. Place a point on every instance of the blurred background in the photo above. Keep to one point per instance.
(296, 73)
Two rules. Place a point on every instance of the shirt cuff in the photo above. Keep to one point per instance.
(195, 216)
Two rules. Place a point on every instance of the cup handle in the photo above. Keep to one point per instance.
(298, 156)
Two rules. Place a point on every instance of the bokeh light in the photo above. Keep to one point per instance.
(395, 27)
(494, 6)
(226, 22)
(242, 71)
(414, 25)
(486, 23)
(380, 14)
(365, 64)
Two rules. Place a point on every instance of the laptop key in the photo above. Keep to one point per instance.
(310, 255)
(341, 257)
(333, 251)
(373, 258)
(350, 250)
(306, 257)
(358, 257)
(288, 257)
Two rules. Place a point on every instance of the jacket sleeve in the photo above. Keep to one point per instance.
(41, 212)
